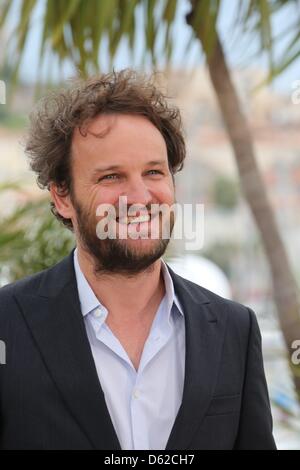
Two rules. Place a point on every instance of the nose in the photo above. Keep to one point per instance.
(137, 192)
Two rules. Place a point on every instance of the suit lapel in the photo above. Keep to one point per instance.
(55, 320)
(204, 339)
(54, 317)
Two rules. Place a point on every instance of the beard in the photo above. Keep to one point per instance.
(119, 256)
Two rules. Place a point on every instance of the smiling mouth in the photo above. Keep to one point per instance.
(134, 220)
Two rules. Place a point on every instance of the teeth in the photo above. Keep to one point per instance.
(135, 220)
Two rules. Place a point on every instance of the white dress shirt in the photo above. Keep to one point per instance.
(143, 404)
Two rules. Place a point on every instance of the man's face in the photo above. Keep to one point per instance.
(121, 155)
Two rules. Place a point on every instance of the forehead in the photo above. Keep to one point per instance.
(118, 135)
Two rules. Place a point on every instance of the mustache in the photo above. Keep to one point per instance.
(151, 211)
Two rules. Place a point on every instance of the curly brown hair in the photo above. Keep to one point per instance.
(52, 124)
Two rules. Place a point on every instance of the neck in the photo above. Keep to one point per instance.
(126, 297)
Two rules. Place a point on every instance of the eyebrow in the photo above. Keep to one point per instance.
(118, 167)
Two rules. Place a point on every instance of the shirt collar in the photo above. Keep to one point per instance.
(89, 301)
(169, 286)
(87, 298)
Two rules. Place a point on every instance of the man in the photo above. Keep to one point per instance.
(110, 349)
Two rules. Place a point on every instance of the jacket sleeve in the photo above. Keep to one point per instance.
(255, 427)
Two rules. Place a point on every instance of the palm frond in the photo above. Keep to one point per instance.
(75, 30)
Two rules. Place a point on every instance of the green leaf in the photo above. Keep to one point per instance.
(65, 16)
(4, 10)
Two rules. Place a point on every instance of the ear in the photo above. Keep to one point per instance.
(62, 202)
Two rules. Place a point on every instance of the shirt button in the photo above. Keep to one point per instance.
(136, 394)
(98, 313)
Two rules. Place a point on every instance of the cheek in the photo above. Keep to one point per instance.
(101, 202)
(102, 196)
(165, 194)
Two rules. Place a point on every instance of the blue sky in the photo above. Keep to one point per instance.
(240, 49)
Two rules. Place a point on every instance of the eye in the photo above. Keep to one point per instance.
(155, 172)
(108, 177)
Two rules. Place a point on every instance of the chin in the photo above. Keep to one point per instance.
(145, 244)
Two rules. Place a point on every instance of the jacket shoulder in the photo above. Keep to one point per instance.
(236, 312)
(46, 281)
(28, 284)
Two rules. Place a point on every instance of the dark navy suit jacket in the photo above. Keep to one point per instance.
(50, 395)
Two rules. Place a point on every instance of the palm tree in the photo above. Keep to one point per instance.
(76, 29)
(285, 289)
